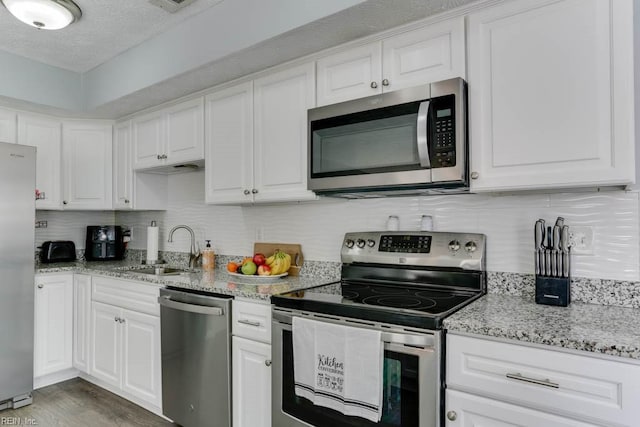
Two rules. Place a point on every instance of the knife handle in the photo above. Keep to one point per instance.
(554, 263)
(547, 262)
(536, 261)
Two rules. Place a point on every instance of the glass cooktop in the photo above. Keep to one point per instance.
(419, 306)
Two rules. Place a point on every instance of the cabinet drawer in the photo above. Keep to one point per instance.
(138, 297)
(580, 386)
(251, 320)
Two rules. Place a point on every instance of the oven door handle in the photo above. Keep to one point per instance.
(408, 339)
(422, 136)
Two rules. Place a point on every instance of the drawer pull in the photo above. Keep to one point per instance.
(545, 383)
(249, 322)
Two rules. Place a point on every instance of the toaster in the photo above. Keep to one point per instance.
(58, 251)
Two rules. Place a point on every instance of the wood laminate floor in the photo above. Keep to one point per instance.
(78, 403)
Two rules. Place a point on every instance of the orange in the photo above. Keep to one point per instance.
(232, 267)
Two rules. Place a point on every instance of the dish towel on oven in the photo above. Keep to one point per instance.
(339, 367)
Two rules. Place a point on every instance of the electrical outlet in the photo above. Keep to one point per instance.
(581, 240)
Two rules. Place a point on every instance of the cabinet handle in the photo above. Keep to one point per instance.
(475, 175)
(385, 82)
(116, 319)
(267, 362)
(247, 192)
(374, 85)
(159, 156)
(451, 415)
(122, 320)
(126, 201)
(545, 382)
(40, 286)
(254, 191)
(64, 202)
(164, 156)
(249, 322)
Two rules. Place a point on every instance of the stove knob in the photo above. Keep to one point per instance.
(360, 243)
(349, 243)
(454, 246)
(371, 243)
(471, 247)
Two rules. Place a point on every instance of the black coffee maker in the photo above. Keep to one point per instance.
(104, 243)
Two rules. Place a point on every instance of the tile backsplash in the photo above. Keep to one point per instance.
(319, 226)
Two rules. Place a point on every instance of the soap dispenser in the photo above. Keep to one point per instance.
(208, 257)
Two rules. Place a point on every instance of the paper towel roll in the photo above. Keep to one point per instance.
(152, 243)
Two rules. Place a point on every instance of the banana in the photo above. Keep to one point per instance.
(270, 260)
(276, 267)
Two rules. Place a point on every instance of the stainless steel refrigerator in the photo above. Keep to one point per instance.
(17, 218)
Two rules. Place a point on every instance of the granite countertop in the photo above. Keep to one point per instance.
(595, 328)
(215, 282)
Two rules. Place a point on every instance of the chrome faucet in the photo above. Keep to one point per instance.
(194, 256)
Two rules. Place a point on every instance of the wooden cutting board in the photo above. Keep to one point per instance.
(293, 249)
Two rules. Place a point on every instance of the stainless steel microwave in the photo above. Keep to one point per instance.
(410, 141)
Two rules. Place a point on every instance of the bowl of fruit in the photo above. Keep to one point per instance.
(260, 267)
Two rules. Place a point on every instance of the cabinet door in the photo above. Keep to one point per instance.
(468, 410)
(46, 135)
(53, 324)
(8, 126)
(81, 321)
(148, 142)
(87, 160)
(229, 153)
(185, 132)
(435, 52)
(549, 98)
(280, 136)
(122, 171)
(350, 74)
(251, 386)
(106, 347)
(141, 371)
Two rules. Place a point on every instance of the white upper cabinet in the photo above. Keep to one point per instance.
(170, 136)
(46, 135)
(148, 140)
(122, 172)
(257, 139)
(87, 160)
(185, 132)
(8, 126)
(280, 134)
(229, 136)
(431, 53)
(551, 94)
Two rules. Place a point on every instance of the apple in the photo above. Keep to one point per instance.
(264, 270)
(249, 268)
(259, 259)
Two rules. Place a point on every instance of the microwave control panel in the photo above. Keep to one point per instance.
(443, 132)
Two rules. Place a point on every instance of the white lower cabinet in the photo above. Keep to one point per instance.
(468, 410)
(53, 343)
(502, 383)
(251, 383)
(81, 321)
(125, 342)
(251, 363)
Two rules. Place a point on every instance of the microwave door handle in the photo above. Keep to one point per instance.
(422, 135)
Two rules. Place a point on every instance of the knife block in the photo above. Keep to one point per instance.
(553, 290)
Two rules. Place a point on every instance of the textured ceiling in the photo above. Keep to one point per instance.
(107, 28)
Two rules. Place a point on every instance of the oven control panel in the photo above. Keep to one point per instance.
(419, 248)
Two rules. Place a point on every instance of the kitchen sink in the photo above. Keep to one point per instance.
(160, 271)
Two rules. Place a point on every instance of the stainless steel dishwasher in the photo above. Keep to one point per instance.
(196, 343)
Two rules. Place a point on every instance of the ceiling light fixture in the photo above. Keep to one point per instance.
(44, 14)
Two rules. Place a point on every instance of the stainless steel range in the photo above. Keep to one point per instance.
(404, 284)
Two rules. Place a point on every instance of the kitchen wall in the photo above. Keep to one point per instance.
(319, 226)
(70, 225)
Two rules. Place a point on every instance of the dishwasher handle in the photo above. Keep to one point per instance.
(191, 308)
